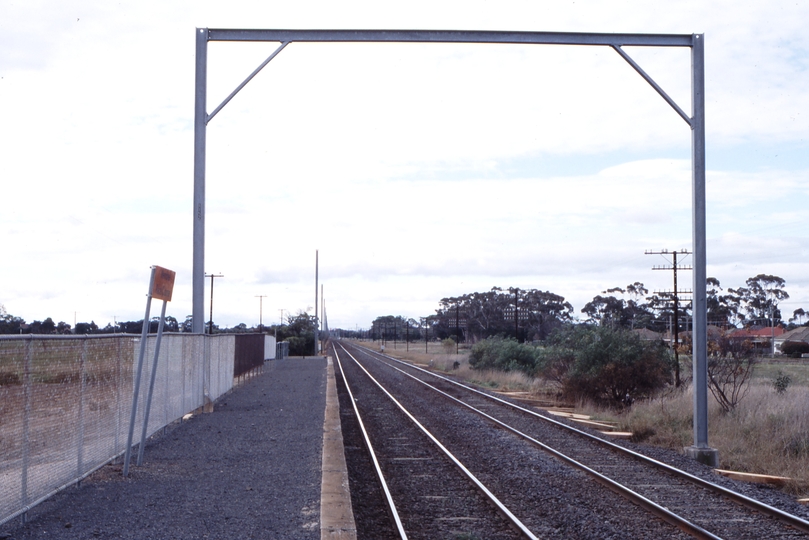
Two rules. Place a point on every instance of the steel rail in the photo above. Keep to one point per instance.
(785, 517)
(503, 509)
(388, 497)
(663, 513)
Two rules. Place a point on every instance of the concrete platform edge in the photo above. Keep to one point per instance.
(336, 514)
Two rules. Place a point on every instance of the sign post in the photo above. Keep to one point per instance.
(162, 289)
(161, 284)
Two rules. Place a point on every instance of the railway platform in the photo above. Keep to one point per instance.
(267, 463)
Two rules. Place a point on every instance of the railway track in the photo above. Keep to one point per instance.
(428, 492)
(552, 501)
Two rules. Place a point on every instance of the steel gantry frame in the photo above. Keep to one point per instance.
(701, 450)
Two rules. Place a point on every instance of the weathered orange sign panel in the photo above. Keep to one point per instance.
(163, 283)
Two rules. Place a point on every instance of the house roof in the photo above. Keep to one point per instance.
(798, 334)
(714, 332)
(763, 332)
(648, 335)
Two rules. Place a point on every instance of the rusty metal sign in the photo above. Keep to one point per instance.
(163, 283)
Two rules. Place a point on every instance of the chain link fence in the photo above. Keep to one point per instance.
(65, 403)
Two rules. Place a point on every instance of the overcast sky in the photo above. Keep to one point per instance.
(419, 171)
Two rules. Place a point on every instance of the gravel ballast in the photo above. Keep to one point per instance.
(250, 469)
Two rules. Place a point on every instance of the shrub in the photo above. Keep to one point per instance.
(605, 364)
(781, 382)
(795, 348)
(730, 371)
(301, 346)
(448, 345)
(504, 354)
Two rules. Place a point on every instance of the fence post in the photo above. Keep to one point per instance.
(26, 422)
(118, 384)
(185, 350)
(83, 388)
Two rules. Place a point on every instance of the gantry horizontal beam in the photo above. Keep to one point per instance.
(454, 36)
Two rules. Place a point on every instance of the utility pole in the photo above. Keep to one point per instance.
(426, 328)
(676, 325)
(210, 321)
(261, 312)
(281, 311)
(457, 329)
(517, 315)
(316, 319)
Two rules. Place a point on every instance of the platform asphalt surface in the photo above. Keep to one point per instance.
(250, 469)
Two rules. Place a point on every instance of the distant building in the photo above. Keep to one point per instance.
(648, 335)
(760, 337)
(798, 334)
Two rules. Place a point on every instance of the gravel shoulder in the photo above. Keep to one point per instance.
(251, 469)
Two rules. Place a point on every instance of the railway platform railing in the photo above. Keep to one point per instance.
(65, 401)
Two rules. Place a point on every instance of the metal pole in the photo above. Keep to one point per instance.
(26, 421)
(700, 451)
(200, 104)
(316, 279)
(83, 385)
(151, 384)
(323, 313)
(426, 329)
(143, 336)
(210, 321)
(261, 312)
(117, 389)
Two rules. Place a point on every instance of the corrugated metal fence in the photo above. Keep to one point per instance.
(249, 353)
(65, 402)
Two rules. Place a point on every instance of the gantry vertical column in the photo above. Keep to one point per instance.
(700, 451)
(200, 121)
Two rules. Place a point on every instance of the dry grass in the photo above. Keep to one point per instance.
(768, 433)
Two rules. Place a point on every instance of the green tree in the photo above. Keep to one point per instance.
(48, 326)
(626, 313)
(62, 328)
(300, 333)
(9, 324)
(86, 328)
(723, 309)
(395, 328)
(760, 298)
(493, 313)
